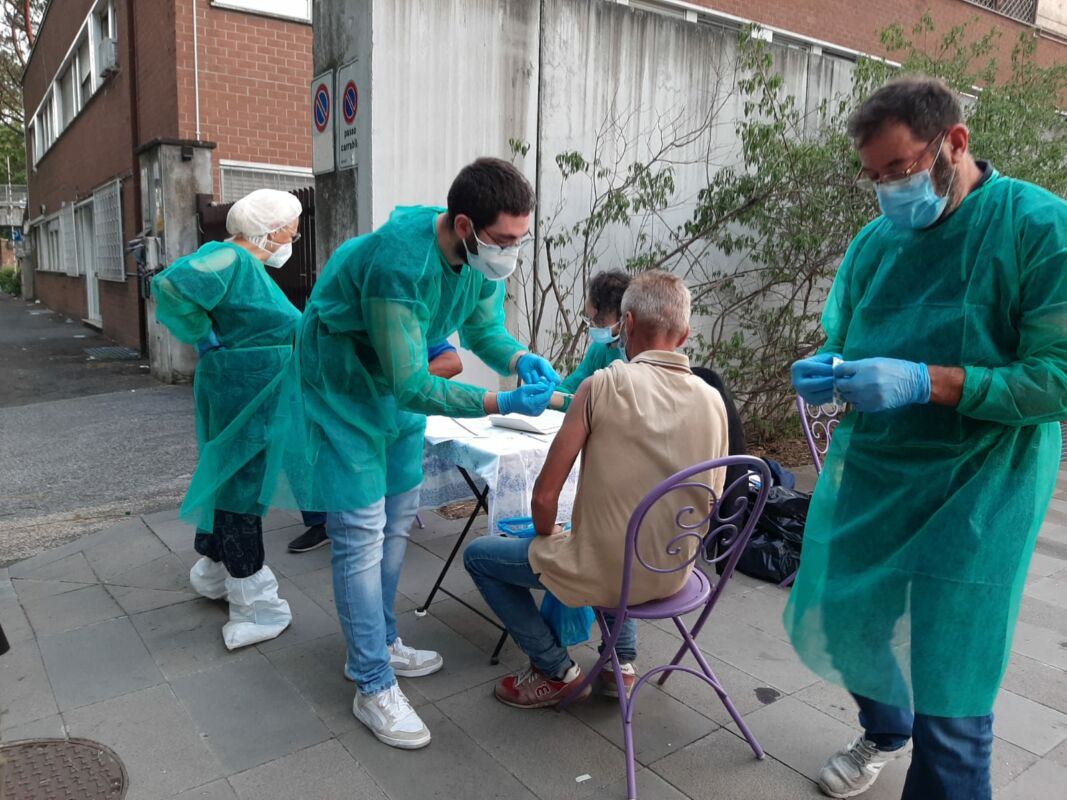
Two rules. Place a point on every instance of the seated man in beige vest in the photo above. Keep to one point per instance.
(635, 423)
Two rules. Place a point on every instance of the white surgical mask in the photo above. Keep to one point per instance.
(493, 261)
(280, 256)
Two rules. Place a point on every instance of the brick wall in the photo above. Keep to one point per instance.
(157, 74)
(254, 77)
(856, 25)
(96, 148)
(62, 294)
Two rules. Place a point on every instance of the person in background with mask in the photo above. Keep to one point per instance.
(602, 316)
(444, 362)
(222, 299)
(950, 314)
(379, 301)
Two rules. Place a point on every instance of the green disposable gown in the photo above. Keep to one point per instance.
(246, 393)
(924, 518)
(597, 357)
(362, 345)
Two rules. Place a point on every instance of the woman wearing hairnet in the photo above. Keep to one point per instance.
(222, 299)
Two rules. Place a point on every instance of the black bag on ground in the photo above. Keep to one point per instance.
(773, 552)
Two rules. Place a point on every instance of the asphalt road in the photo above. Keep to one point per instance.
(83, 442)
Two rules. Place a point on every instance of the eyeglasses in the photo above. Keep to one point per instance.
(525, 240)
(865, 182)
(597, 321)
(293, 237)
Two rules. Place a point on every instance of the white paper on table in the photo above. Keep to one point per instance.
(549, 422)
(445, 429)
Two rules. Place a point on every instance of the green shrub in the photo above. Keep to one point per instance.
(11, 281)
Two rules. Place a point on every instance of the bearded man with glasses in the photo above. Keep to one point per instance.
(946, 333)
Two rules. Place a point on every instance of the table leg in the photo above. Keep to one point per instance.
(495, 658)
(482, 497)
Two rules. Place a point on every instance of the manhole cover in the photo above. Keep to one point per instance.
(61, 769)
(112, 353)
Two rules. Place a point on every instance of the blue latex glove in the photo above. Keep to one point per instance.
(813, 378)
(209, 343)
(881, 384)
(533, 368)
(530, 399)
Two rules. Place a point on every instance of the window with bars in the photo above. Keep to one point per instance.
(1022, 10)
(237, 180)
(47, 243)
(107, 233)
(66, 241)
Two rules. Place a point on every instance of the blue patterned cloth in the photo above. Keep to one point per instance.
(505, 460)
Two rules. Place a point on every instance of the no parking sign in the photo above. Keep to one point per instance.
(322, 123)
(348, 78)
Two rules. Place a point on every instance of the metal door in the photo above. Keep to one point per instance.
(298, 275)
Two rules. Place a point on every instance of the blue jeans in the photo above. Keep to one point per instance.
(500, 567)
(951, 756)
(313, 518)
(368, 547)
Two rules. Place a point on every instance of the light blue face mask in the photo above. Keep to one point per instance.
(912, 203)
(602, 335)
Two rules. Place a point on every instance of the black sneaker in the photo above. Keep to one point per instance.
(311, 539)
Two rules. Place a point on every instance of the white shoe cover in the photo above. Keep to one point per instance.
(209, 578)
(256, 612)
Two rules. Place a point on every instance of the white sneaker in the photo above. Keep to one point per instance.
(854, 769)
(208, 578)
(391, 718)
(407, 662)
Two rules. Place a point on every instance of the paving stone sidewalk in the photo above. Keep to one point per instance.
(109, 644)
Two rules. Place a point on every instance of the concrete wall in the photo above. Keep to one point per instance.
(343, 199)
(1052, 16)
(183, 179)
(561, 75)
(450, 81)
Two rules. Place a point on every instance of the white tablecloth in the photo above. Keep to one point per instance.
(505, 460)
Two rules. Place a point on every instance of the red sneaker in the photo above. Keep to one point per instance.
(531, 688)
(607, 680)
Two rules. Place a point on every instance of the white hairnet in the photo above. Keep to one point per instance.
(261, 212)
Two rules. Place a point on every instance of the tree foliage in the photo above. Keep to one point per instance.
(18, 25)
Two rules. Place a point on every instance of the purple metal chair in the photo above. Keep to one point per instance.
(818, 423)
(728, 530)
